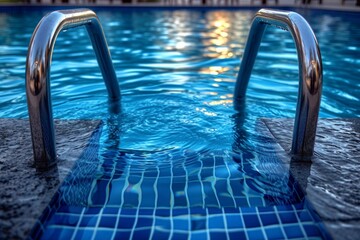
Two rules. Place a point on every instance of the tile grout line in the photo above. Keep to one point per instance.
(300, 223)
(214, 183)
(116, 223)
(280, 223)
(261, 224)
(97, 223)
(78, 224)
(155, 202)
(229, 188)
(225, 223)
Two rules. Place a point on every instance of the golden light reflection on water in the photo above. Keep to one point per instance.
(221, 39)
(217, 41)
(206, 112)
(214, 70)
(210, 93)
(220, 102)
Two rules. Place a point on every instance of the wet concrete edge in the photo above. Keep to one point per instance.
(25, 192)
(330, 180)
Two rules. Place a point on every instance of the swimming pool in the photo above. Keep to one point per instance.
(181, 65)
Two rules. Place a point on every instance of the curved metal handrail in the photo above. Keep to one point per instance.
(310, 76)
(38, 75)
(310, 67)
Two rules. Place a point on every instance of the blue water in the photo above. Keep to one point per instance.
(180, 65)
(177, 125)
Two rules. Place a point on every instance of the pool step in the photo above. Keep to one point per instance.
(293, 221)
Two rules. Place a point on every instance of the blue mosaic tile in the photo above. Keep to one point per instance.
(311, 230)
(179, 171)
(148, 191)
(162, 212)
(255, 234)
(251, 221)
(122, 234)
(236, 235)
(181, 224)
(266, 209)
(128, 212)
(216, 222)
(304, 216)
(103, 234)
(141, 234)
(234, 221)
(269, 219)
(180, 202)
(231, 210)
(218, 235)
(198, 235)
(144, 222)
(194, 192)
(151, 173)
(287, 217)
(274, 233)
(163, 223)
(107, 222)
(90, 211)
(88, 221)
(198, 211)
(242, 201)
(198, 223)
(126, 222)
(161, 234)
(111, 210)
(146, 211)
(293, 231)
(256, 201)
(116, 188)
(99, 193)
(180, 211)
(179, 236)
(214, 210)
(83, 234)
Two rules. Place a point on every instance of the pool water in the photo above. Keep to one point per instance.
(178, 161)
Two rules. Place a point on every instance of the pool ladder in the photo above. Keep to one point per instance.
(310, 73)
(40, 54)
(38, 75)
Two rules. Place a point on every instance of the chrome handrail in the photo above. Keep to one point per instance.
(38, 75)
(310, 67)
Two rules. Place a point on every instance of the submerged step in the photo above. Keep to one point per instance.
(179, 193)
(276, 222)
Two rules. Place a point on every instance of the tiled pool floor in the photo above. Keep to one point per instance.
(178, 195)
(293, 221)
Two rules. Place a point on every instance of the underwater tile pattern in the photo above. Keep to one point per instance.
(179, 194)
(180, 179)
(276, 222)
(204, 197)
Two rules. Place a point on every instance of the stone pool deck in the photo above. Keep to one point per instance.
(26, 192)
(330, 181)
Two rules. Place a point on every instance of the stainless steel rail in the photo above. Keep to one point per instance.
(38, 75)
(310, 67)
